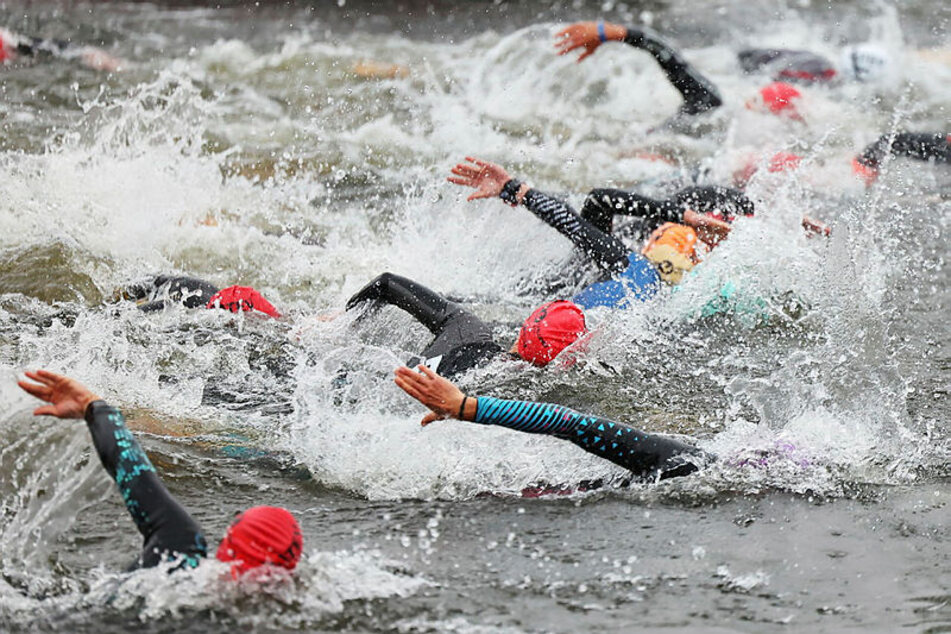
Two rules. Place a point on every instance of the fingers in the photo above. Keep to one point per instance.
(478, 162)
(431, 417)
(39, 391)
(46, 410)
(428, 372)
(408, 387)
(50, 377)
(44, 377)
(587, 53)
(461, 169)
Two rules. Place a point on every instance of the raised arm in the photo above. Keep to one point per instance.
(491, 180)
(698, 92)
(917, 145)
(168, 531)
(645, 455)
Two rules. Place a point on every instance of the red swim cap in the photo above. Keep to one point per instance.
(4, 53)
(782, 161)
(867, 173)
(235, 298)
(549, 330)
(261, 535)
(779, 96)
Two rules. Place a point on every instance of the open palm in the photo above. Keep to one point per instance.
(68, 397)
(487, 178)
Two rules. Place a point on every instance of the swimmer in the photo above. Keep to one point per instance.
(262, 535)
(648, 457)
(462, 340)
(626, 275)
(162, 291)
(699, 93)
(14, 46)
(923, 146)
(862, 63)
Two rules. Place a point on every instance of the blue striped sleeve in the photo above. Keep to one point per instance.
(533, 418)
(645, 455)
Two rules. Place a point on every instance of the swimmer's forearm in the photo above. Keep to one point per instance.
(119, 451)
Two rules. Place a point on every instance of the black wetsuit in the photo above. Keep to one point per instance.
(787, 65)
(917, 145)
(168, 531)
(463, 341)
(163, 291)
(602, 205)
(646, 456)
(624, 274)
(700, 95)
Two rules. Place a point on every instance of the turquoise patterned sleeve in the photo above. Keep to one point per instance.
(168, 531)
(645, 455)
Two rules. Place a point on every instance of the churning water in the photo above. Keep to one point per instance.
(242, 145)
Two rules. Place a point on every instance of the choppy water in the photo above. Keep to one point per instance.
(239, 145)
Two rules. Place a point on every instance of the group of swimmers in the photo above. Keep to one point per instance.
(673, 235)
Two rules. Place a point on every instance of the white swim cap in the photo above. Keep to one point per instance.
(865, 62)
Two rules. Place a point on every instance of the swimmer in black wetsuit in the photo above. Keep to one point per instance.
(13, 46)
(646, 456)
(626, 275)
(923, 146)
(462, 340)
(712, 201)
(699, 94)
(864, 62)
(163, 291)
(261, 535)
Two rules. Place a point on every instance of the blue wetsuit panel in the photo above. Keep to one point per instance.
(638, 282)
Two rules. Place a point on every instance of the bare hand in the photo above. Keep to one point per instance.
(710, 230)
(438, 394)
(68, 396)
(585, 35)
(487, 178)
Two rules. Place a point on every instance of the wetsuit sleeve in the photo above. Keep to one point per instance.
(168, 531)
(922, 146)
(644, 455)
(726, 202)
(698, 92)
(39, 45)
(607, 251)
(602, 205)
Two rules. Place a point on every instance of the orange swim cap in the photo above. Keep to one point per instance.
(672, 248)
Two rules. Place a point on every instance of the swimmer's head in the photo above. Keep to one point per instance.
(5, 47)
(235, 298)
(549, 330)
(865, 62)
(261, 535)
(672, 249)
(778, 98)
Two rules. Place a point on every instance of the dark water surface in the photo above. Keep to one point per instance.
(241, 144)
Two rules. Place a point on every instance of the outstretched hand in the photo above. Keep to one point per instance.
(585, 35)
(487, 178)
(710, 230)
(435, 392)
(68, 397)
